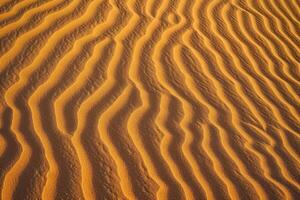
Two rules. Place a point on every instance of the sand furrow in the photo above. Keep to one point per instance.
(149, 91)
(252, 96)
(114, 99)
(256, 89)
(191, 189)
(233, 72)
(41, 102)
(59, 81)
(266, 92)
(121, 169)
(191, 108)
(250, 107)
(135, 117)
(177, 140)
(114, 90)
(255, 58)
(87, 84)
(10, 34)
(290, 55)
(54, 83)
(215, 176)
(99, 171)
(289, 15)
(266, 30)
(291, 9)
(138, 184)
(12, 149)
(95, 104)
(7, 5)
(69, 67)
(27, 53)
(262, 78)
(21, 175)
(292, 160)
(212, 119)
(171, 145)
(15, 9)
(150, 5)
(87, 137)
(236, 118)
(262, 45)
(100, 102)
(213, 112)
(284, 30)
(288, 122)
(288, 165)
(14, 16)
(216, 127)
(67, 103)
(166, 124)
(282, 18)
(24, 93)
(271, 62)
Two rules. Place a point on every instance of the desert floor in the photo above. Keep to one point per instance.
(149, 99)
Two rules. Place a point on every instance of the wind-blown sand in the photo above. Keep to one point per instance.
(145, 99)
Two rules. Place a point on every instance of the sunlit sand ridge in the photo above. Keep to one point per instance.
(145, 99)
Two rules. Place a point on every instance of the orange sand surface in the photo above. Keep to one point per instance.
(146, 99)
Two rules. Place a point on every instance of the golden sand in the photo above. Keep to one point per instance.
(145, 99)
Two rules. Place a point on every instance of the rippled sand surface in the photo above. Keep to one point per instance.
(146, 99)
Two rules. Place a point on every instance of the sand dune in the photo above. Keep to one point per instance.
(145, 99)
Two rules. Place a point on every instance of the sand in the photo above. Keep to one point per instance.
(145, 99)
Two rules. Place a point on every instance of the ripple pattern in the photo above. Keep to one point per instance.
(144, 99)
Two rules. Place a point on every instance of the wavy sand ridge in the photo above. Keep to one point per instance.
(183, 99)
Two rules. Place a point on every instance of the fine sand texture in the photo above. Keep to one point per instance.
(149, 99)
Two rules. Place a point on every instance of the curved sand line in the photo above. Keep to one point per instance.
(273, 72)
(255, 61)
(158, 58)
(116, 60)
(205, 128)
(11, 149)
(83, 74)
(86, 112)
(262, 94)
(69, 103)
(15, 9)
(3, 145)
(28, 21)
(21, 41)
(221, 128)
(7, 5)
(104, 135)
(53, 82)
(261, 74)
(257, 90)
(133, 129)
(187, 141)
(147, 103)
(149, 100)
(272, 39)
(17, 15)
(51, 190)
(10, 182)
(94, 7)
(65, 97)
(86, 168)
